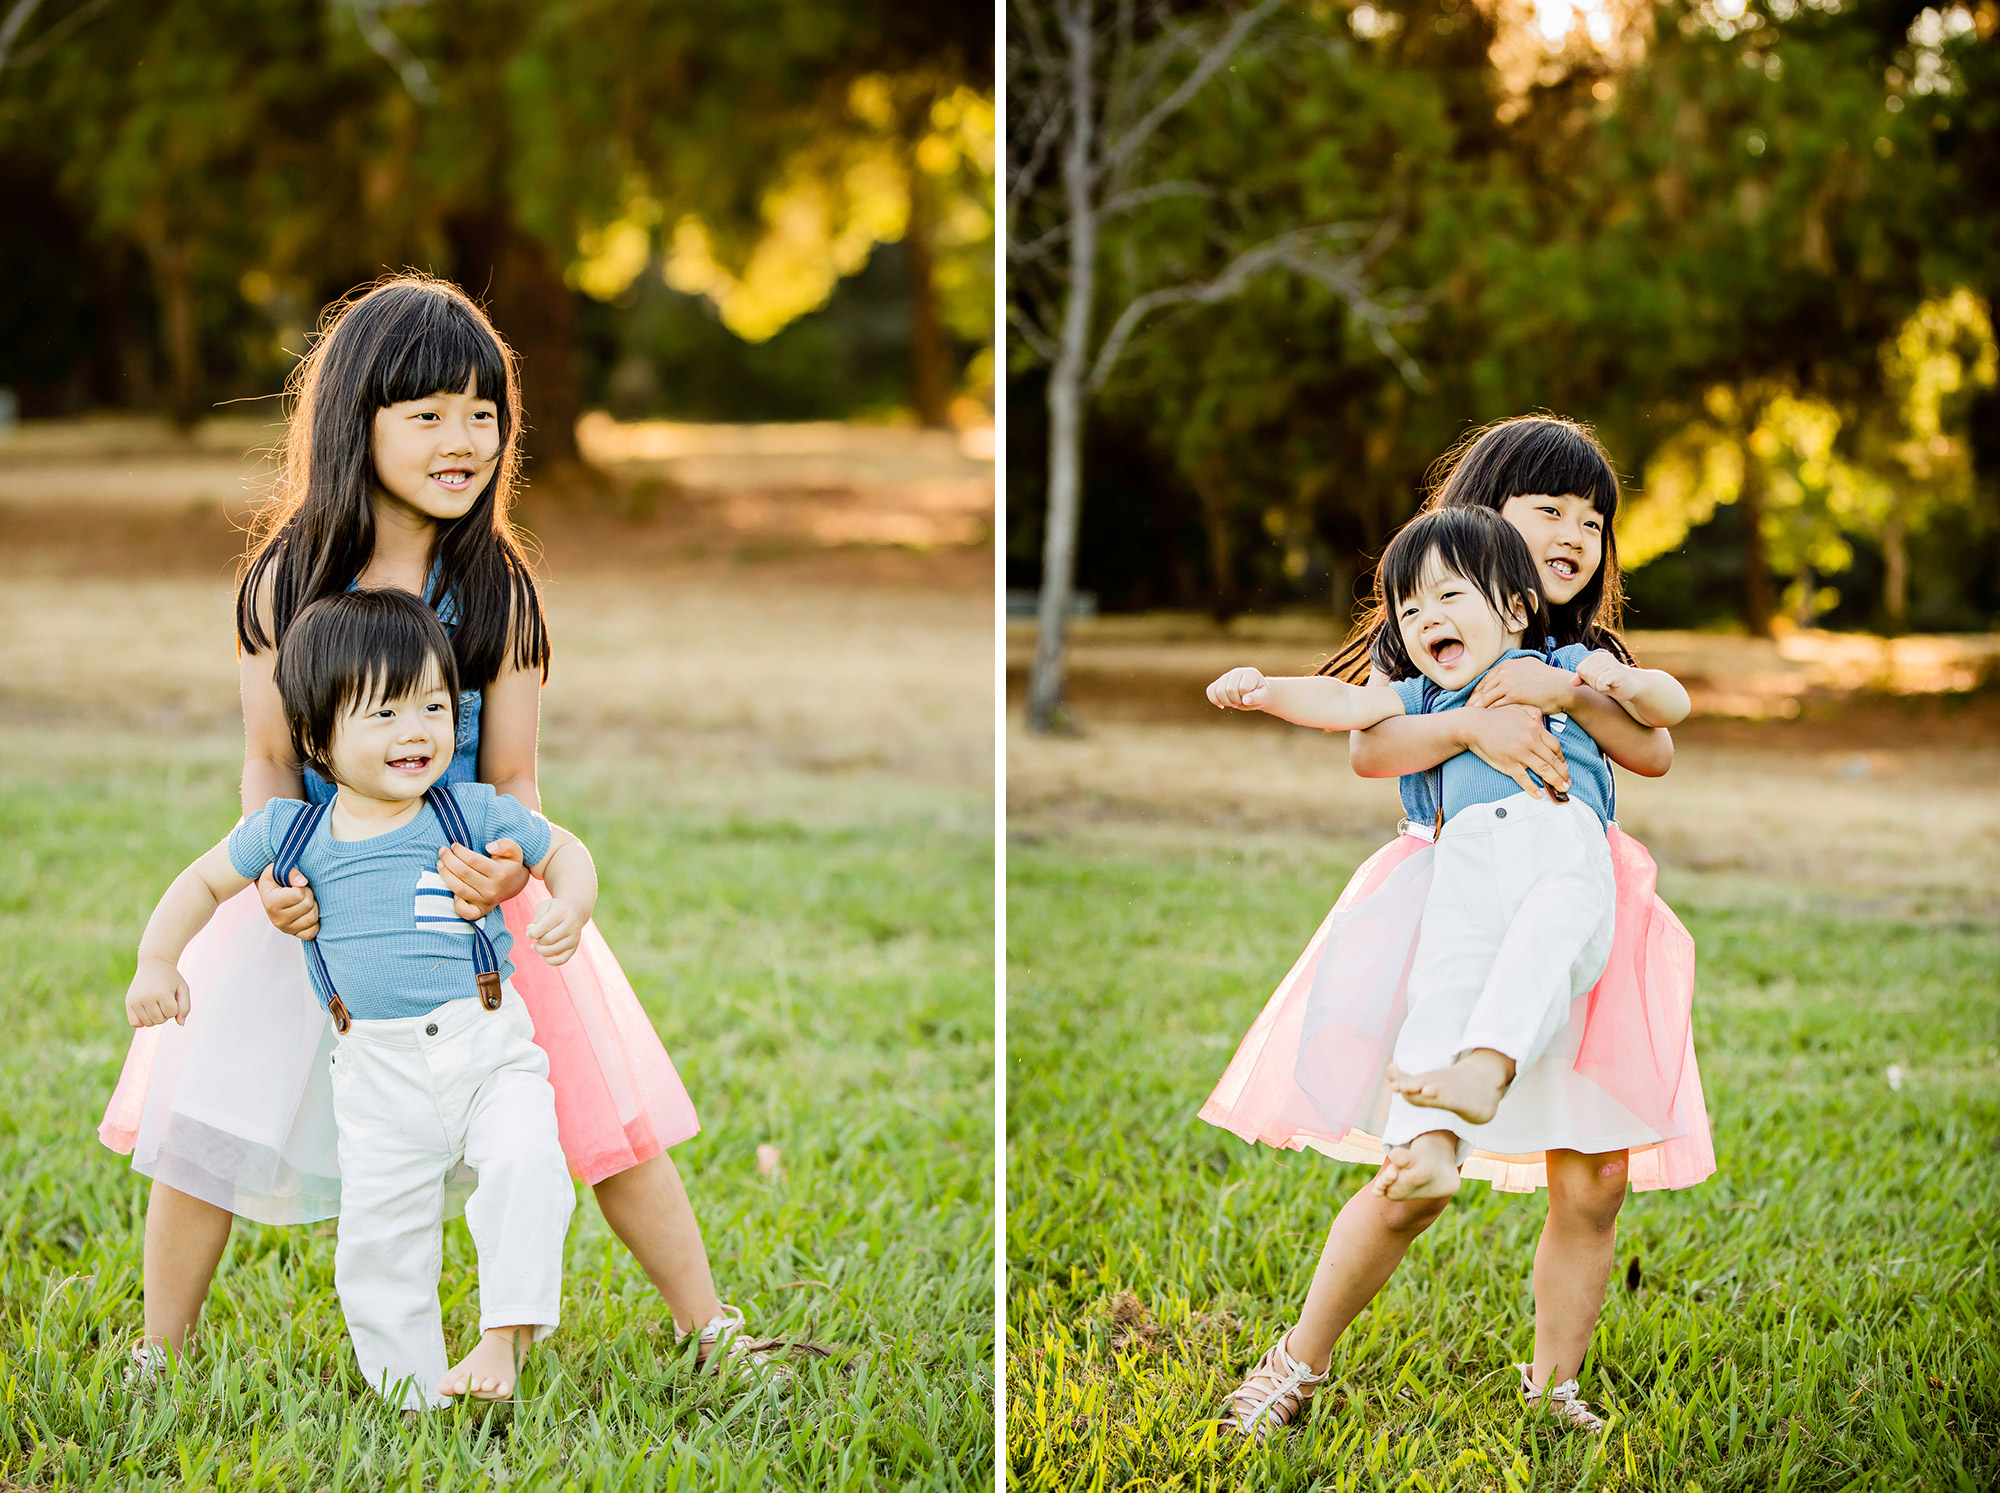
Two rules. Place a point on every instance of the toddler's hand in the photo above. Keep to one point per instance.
(1239, 689)
(480, 883)
(1603, 673)
(556, 930)
(158, 994)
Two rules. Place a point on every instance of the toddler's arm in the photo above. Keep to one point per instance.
(1316, 700)
(158, 993)
(1652, 697)
(571, 877)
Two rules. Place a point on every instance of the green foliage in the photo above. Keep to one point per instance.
(1812, 1317)
(1758, 200)
(823, 983)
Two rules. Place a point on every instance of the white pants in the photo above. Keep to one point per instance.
(1517, 925)
(412, 1099)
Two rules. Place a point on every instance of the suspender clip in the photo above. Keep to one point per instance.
(489, 989)
(337, 1008)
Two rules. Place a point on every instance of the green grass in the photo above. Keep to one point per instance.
(817, 956)
(1821, 1314)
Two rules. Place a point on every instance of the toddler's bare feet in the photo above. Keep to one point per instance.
(1470, 1088)
(1425, 1168)
(487, 1372)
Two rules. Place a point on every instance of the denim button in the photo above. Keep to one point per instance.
(1499, 813)
(431, 1030)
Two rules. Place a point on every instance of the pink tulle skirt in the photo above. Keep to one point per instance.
(1310, 1071)
(235, 1107)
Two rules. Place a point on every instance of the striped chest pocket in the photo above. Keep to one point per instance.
(433, 906)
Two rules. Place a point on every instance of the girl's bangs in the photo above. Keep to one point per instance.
(439, 348)
(1559, 460)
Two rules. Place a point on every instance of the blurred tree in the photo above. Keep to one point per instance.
(278, 155)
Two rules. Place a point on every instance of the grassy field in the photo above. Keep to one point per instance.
(798, 877)
(1819, 1315)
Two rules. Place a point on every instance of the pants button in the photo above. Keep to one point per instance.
(1499, 813)
(431, 1030)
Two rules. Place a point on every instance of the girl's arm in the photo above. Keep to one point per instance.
(1512, 741)
(1634, 746)
(509, 722)
(158, 993)
(1652, 697)
(571, 877)
(1315, 700)
(271, 771)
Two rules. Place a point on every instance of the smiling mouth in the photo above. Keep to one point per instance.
(1446, 651)
(455, 480)
(1564, 567)
(409, 764)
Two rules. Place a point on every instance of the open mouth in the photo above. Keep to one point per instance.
(1446, 651)
(1562, 567)
(410, 765)
(455, 480)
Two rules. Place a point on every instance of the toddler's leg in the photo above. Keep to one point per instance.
(391, 1241)
(519, 1216)
(1573, 1261)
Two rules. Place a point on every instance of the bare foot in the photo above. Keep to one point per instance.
(1425, 1168)
(1470, 1088)
(487, 1372)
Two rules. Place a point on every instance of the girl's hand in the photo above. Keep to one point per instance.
(556, 930)
(1603, 673)
(1239, 689)
(292, 909)
(1526, 681)
(480, 883)
(1512, 740)
(158, 994)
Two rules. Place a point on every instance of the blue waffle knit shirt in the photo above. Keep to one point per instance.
(387, 931)
(1467, 780)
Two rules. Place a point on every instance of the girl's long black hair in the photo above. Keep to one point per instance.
(1469, 541)
(1525, 454)
(407, 337)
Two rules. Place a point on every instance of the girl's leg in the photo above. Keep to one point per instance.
(185, 1238)
(1363, 1248)
(648, 1208)
(1573, 1261)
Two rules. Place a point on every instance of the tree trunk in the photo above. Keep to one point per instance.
(930, 354)
(1757, 604)
(1045, 683)
(1215, 490)
(520, 282)
(1896, 572)
(1808, 610)
(173, 271)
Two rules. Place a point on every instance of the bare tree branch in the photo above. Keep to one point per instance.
(1118, 152)
(1039, 342)
(389, 47)
(10, 28)
(1110, 207)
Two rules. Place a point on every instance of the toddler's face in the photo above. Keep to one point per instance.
(1565, 534)
(436, 455)
(1451, 630)
(395, 749)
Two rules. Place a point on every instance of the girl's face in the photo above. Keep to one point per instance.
(393, 750)
(1451, 630)
(1565, 534)
(434, 456)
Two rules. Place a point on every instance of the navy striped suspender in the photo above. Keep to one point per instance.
(456, 832)
(485, 960)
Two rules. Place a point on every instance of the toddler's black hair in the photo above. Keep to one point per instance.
(1475, 543)
(355, 649)
(1510, 458)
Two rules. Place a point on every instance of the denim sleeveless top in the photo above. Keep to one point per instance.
(464, 766)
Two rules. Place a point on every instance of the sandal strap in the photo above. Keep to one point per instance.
(1564, 1401)
(1274, 1392)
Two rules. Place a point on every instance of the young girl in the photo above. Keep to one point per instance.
(1631, 1037)
(400, 467)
